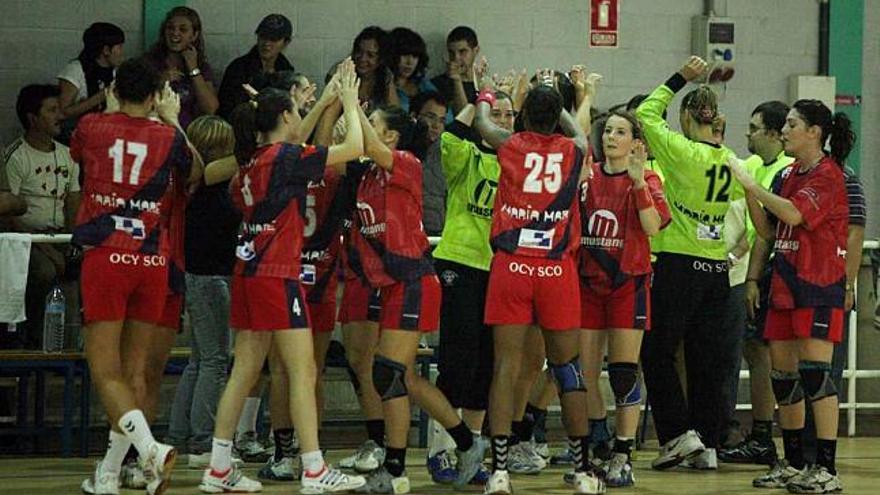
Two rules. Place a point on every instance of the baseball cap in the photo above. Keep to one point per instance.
(275, 27)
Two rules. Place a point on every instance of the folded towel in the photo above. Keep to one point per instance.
(15, 254)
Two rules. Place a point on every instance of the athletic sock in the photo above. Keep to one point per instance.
(248, 420)
(539, 420)
(395, 461)
(515, 427)
(499, 452)
(134, 425)
(376, 431)
(221, 455)
(792, 441)
(463, 437)
(578, 447)
(762, 431)
(623, 446)
(312, 462)
(117, 449)
(283, 443)
(826, 452)
(523, 429)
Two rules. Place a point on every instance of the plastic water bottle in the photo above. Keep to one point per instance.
(53, 321)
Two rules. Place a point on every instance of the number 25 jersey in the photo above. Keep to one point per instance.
(536, 207)
(129, 164)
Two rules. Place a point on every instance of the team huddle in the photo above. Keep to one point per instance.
(563, 236)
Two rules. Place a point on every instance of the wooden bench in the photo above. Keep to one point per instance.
(72, 364)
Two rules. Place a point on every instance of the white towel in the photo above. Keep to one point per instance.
(15, 254)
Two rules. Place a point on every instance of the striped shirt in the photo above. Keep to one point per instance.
(855, 193)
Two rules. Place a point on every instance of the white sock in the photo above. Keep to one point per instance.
(440, 439)
(313, 462)
(221, 455)
(116, 449)
(477, 433)
(134, 425)
(247, 422)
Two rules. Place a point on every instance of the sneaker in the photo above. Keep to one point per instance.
(286, 469)
(382, 481)
(369, 457)
(231, 481)
(441, 468)
(101, 482)
(564, 458)
(750, 451)
(817, 479)
(619, 471)
(588, 482)
(519, 461)
(203, 461)
(158, 465)
(529, 448)
(543, 450)
(348, 462)
(498, 484)
(331, 480)
(470, 461)
(707, 461)
(482, 476)
(682, 447)
(778, 477)
(250, 449)
(570, 477)
(132, 475)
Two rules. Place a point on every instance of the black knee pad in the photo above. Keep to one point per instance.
(568, 376)
(389, 378)
(816, 376)
(787, 387)
(624, 379)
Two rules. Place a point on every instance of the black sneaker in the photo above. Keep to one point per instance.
(750, 451)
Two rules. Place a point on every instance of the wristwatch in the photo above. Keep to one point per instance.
(195, 72)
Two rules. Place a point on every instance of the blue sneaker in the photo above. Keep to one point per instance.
(482, 476)
(441, 468)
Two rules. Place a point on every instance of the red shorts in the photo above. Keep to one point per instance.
(804, 323)
(360, 302)
(524, 290)
(323, 316)
(267, 303)
(171, 313)
(626, 307)
(411, 305)
(123, 285)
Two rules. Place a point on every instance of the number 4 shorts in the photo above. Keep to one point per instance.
(267, 303)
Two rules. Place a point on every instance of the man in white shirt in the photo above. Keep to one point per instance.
(40, 172)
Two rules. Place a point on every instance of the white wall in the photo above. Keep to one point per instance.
(870, 137)
(37, 37)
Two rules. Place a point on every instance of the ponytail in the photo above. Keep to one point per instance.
(413, 132)
(702, 105)
(257, 116)
(836, 129)
(842, 138)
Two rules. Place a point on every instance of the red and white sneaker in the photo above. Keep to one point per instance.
(232, 481)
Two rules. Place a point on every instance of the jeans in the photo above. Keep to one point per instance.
(689, 298)
(838, 362)
(203, 379)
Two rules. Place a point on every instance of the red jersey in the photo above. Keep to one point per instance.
(388, 239)
(614, 247)
(128, 165)
(536, 205)
(270, 191)
(809, 266)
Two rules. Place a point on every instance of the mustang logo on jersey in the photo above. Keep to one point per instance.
(603, 228)
(537, 239)
(133, 226)
(367, 216)
(483, 198)
(245, 251)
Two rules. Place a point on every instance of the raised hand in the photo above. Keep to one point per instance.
(454, 69)
(190, 57)
(740, 173)
(694, 68)
(348, 83)
(546, 77)
(168, 105)
(481, 69)
(110, 100)
(635, 166)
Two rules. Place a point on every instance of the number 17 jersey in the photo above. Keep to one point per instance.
(536, 207)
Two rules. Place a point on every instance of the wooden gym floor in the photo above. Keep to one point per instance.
(858, 462)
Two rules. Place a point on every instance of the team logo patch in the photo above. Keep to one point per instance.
(133, 226)
(448, 277)
(537, 239)
(245, 251)
(708, 232)
(307, 274)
